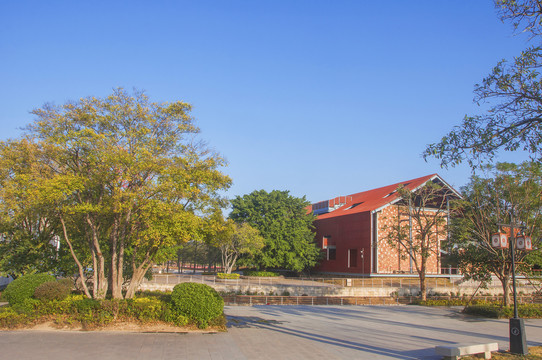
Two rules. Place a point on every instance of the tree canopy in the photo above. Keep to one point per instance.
(488, 201)
(512, 93)
(284, 223)
(117, 179)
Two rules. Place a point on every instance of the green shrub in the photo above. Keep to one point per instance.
(23, 288)
(227, 276)
(27, 306)
(146, 308)
(199, 302)
(10, 319)
(260, 273)
(52, 290)
(67, 282)
(497, 311)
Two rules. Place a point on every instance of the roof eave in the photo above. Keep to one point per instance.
(436, 176)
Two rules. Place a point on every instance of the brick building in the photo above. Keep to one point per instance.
(354, 231)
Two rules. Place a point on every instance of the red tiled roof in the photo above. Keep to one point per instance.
(374, 199)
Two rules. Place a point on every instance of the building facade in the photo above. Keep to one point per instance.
(374, 232)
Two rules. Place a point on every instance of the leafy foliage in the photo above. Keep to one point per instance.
(234, 240)
(423, 216)
(199, 302)
(27, 228)
(507, 189)
(284, 223)
(227, 276)
(77, 310)
(513, 95)
(23, 288)
(533, 311)
(257, 273)
(118, 180)
(52, 290)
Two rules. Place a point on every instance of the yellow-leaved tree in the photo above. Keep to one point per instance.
(118, 179)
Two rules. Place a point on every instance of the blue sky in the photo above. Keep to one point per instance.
(322, 98)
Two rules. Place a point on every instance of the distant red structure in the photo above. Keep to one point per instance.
(350, 231)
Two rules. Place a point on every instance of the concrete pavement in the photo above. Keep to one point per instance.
(281, 332)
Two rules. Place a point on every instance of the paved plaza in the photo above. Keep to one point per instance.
(281, 332)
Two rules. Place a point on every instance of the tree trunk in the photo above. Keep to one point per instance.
(115, 287)
(179, 261)
(74, 256)
(136, 280)
(195, 258)
(423, 282)
(100, 281)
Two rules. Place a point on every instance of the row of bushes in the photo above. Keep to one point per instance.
(36, 298)
(497, 311)
(260, 273)
(446, 302)
(227, 276)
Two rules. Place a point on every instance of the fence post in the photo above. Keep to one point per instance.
(312, 300)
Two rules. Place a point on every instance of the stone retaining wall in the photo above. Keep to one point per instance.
(339, 291)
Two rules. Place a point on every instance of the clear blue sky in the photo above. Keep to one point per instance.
(322, 98)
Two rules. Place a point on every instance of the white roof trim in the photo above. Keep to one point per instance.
(436, 176)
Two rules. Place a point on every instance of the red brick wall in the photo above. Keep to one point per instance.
(393, 258)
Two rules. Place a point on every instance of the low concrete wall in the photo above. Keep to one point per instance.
(340, 291)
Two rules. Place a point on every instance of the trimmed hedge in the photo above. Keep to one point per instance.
(227, 276)
(78, 310)
(53, 290)
(23, 288)
(260, 273)
(446, 302)
(198, 302)
(496, 311)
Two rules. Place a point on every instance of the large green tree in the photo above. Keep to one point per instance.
(488, 201)
(284, 223)
(121, 178)
(512, 94)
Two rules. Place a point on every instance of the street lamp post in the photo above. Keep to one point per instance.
(518, 340)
